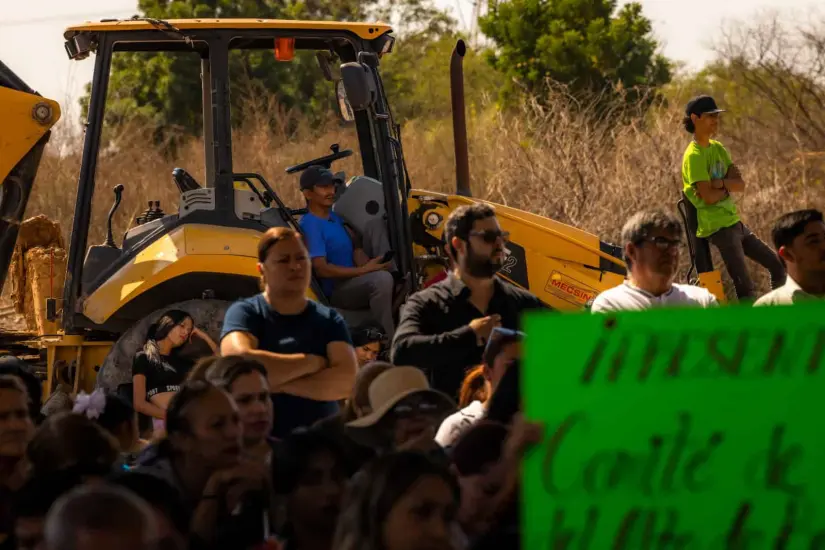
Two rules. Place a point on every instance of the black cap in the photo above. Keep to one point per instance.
(702, 105)
(316, 175)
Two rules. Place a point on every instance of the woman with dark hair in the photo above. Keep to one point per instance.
(158, 370)
(368, 341)
(225, 496)
(473, 396)
(116, 416)
(310, 473)
(401, 501)
(245, 380)
(68, 443)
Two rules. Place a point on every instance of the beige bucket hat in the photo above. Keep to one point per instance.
(392, 386)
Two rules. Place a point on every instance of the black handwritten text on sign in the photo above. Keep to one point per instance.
(677, 429)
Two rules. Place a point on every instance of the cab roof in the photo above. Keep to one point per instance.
(363, 30)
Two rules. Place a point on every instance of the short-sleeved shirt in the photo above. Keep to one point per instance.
(706, 164)
(328, 239)
(307, 332)
(787, 294)
(627, 297)
(162, 376)
(458, 423)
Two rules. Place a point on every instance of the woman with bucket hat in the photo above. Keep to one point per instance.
(405, 412)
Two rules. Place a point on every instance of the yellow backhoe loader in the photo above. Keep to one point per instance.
(203, 256)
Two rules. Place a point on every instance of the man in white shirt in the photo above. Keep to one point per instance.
(651, 247)
(799, 238)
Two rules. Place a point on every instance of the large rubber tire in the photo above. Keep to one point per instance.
(117, 367)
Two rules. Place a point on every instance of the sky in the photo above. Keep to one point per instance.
(31, 34)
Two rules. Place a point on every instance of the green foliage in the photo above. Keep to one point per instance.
(413, 95)
(781, 98)
(580, 43)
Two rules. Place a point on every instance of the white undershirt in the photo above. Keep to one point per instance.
(627, 297)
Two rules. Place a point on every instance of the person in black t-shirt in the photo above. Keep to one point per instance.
(304, 346)
(157, 370)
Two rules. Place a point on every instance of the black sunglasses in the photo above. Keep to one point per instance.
(490, 236)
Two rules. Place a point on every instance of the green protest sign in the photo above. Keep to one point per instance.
(677, 429)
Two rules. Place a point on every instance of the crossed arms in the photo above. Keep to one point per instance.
(311, 376)
(714, 191)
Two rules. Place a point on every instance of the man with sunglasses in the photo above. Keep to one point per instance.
(651, 249)
(709, 179)
(443, 329)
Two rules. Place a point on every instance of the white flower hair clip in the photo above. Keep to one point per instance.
(91, 405)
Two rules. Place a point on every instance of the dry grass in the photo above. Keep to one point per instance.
(558, 161)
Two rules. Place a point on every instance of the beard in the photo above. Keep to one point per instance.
(481, 267)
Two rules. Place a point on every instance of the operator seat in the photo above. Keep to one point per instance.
(700, 247)
(361, 205)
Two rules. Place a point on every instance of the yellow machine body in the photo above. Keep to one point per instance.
(25, 118)
(561, 263)
(361, 29)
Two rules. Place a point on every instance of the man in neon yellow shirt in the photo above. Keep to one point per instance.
(710, 178)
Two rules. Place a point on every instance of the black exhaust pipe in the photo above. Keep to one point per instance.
(462, 156)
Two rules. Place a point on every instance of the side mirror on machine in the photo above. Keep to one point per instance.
(344, 107)
(358, 85)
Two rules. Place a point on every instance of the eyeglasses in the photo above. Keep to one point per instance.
(663, 243)
(413, 407)
(490, 236)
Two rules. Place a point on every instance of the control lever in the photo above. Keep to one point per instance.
(110, 239)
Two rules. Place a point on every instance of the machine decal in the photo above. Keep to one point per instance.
(515, 265)
(569, 289)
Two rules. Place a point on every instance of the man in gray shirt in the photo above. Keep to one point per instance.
(799, 238)
(652, 246)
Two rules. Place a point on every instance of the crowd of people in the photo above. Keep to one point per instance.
(298, 433)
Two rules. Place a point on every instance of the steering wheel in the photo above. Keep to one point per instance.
(326, 161)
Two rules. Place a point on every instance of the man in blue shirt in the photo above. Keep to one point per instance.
(349, 278)
(304, 346)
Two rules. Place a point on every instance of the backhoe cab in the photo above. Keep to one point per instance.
(206, 249)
